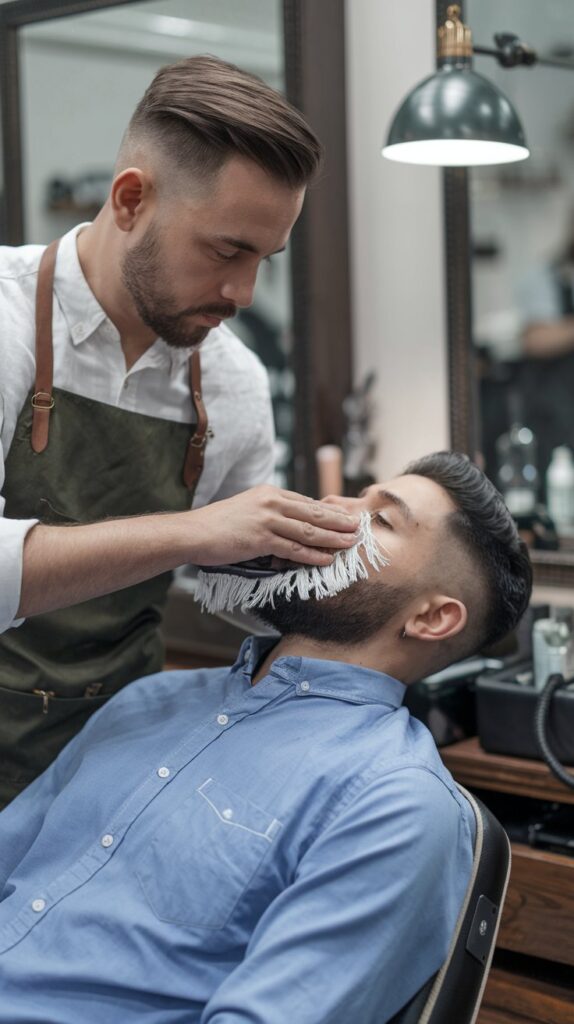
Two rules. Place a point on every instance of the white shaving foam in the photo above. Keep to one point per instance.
(219, 592)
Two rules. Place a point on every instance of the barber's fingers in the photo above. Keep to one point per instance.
(304, 542)
(320, 515)
(303, 530)
(334, 502)
(267, 520)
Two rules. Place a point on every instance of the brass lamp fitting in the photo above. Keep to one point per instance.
(454, 37)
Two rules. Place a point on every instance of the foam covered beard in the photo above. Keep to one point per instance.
(221, 590)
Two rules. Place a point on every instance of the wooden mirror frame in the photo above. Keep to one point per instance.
(551, 568)
(314, 49)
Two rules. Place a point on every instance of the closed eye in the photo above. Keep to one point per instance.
(380, 518)
(223, 256)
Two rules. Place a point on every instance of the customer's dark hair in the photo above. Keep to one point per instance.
(202, 110)
(487, 531)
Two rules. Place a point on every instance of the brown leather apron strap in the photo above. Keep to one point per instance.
(42, 399)
(196, 448)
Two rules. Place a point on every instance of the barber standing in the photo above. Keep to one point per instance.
(123, 394)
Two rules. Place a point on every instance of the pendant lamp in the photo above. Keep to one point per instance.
(456, 117)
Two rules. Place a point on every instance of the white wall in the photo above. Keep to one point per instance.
(396, 236)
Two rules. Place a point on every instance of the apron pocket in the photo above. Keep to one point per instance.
(29, 739)
(204, 856)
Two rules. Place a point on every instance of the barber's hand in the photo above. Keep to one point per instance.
(267, 520)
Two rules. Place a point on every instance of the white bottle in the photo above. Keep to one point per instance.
(552, 650)
(560, 490)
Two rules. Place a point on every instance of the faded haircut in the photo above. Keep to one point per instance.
(487, 532)
(202, 110)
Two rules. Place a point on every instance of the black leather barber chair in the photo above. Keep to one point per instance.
(454, 995)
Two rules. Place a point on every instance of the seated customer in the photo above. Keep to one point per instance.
(278, 841)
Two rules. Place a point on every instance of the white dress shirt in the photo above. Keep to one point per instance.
(88, 361)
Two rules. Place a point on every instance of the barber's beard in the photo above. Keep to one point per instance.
(142, 275)
(350, 617)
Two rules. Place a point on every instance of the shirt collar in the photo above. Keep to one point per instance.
(79, 305)
(337, 679)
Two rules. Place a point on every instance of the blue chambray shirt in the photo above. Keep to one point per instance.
(211, 852)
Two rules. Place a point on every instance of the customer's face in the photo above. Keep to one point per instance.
(408, 520)
(196, 263)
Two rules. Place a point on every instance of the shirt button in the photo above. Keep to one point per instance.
(38, 906)
(163, 772)
(107, 840)
(305, 685)
(222, 719)
(227, 813)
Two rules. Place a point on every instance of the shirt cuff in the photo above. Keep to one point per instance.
(12, 535)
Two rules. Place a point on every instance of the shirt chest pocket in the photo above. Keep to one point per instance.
(199, 864)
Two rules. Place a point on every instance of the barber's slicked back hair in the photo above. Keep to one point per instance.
(202, 110)
(487, 531)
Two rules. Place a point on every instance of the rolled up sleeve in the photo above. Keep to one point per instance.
(12, 536)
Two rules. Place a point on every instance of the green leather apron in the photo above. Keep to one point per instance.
(92, 461)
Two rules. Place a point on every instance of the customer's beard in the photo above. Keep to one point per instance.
(350, 617)
(141, 274)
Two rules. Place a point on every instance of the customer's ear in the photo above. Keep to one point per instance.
(440, 618)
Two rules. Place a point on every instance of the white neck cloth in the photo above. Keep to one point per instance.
(218, 592)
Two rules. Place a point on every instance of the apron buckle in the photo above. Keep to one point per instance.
(42, 400)
(45, 695)
(200, 440)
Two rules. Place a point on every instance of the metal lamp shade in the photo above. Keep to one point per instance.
(455, 118)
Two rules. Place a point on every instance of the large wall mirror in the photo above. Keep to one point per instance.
(72, 72)
(515, 408)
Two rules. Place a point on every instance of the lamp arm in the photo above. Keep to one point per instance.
(511, 52)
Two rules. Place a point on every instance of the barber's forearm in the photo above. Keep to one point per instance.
(64, 565)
